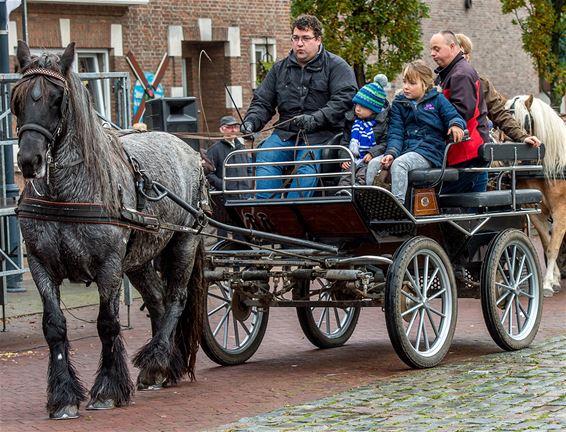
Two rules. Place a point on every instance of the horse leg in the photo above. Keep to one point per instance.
(540, 222)
(64, 390)
(552, 276)
(112, 386)
(150, 285)
(160, 357)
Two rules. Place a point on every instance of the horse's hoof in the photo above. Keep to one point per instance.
(147, 387)
(156, 383)
(547, 292)
(556, 288)
(65, 413)
(100, 405)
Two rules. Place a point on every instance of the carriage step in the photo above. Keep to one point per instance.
(490, 199)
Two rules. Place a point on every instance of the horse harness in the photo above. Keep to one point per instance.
(59, 80)
(94, 213)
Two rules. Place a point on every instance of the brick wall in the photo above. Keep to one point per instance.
(498, 53)
(497, 42)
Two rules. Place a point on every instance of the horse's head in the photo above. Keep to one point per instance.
(39, 101)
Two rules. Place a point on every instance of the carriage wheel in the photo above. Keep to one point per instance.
(421, 303)
(325, 327)
(232, 331)
(511, 294)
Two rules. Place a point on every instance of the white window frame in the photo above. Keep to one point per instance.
(102, 86)
(266, 45)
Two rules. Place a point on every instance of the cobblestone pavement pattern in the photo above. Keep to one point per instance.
(287, 371)
(515, 391)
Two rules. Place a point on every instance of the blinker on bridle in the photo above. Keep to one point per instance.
(528, 120)
(57, 79)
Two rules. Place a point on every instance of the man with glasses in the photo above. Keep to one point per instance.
(461, 85)
(310, 89)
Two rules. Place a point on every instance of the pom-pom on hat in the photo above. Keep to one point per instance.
(381, 79)
(372, 96)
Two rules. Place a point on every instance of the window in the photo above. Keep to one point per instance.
(95, 61)
(263, 55)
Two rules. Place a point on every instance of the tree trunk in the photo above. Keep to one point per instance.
(360, 75)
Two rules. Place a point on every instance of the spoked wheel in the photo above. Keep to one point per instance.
(421, 303)
(232, 331)
(511, 293)
(325, 327)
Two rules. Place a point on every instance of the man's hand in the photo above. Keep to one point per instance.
(533, 141)
(457, 133)
(367, 158)
(386, 161)
(346, 165)
(306, 122)
(247, 128)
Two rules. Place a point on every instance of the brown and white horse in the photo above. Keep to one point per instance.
(539, 119)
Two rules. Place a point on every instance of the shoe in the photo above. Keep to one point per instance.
(382, 180)
(344, 192)
(382, 184)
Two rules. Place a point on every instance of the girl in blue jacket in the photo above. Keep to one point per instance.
(419, 122)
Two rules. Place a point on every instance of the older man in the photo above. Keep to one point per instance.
(311, 89)
(461, 85)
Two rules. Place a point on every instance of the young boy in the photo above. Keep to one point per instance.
(365, 130)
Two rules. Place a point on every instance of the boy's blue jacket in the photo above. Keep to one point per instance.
(421, 128)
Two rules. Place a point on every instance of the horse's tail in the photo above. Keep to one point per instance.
(189, 327)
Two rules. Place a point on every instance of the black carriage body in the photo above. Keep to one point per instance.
(364, 248)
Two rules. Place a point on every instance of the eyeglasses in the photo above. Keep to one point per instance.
(303, 39)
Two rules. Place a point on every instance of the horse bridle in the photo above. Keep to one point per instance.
(528, 121)
(59, 80)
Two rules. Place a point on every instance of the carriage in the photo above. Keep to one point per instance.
(330, 254)
(94, 209)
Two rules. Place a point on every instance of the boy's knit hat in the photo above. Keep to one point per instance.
(372, 96)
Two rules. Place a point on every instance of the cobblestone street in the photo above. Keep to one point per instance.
(518, 391)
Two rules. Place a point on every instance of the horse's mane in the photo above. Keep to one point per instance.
(549, 128)
(100, 148)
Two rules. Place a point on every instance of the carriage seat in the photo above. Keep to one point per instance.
(531, 175)
(425, 177)
(499, 198)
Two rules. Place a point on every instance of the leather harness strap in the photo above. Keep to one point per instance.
(92, 213)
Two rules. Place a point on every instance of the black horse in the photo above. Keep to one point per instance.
(80, 180)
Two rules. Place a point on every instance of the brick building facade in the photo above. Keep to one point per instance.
(234, 34)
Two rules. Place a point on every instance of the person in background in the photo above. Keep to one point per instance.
(310, 89)
(420, 121)
(461, 86)
(229, 128)
(365, 131)
(495, 101)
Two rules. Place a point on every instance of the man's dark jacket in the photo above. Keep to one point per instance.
(461, 85)
(324, 88)
(217, 153)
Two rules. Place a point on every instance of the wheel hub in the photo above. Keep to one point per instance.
(239, 309)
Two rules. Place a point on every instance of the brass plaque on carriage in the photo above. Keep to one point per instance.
(424, 202)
